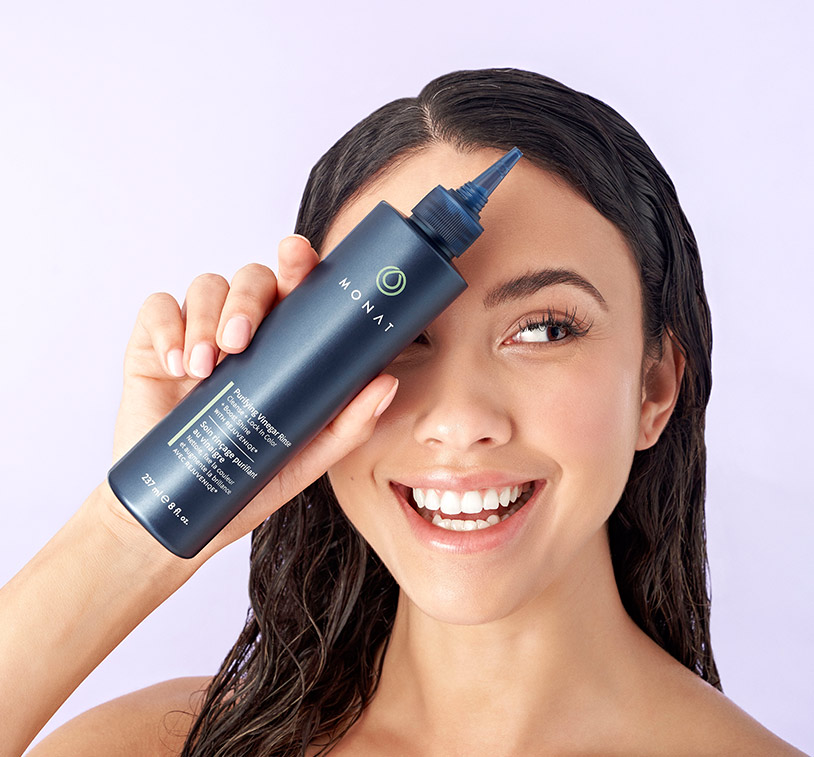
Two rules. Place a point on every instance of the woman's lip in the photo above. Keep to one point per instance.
(466, 542)
(473, 482)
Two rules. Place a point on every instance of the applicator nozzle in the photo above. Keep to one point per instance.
(475, 193)
(451, 216)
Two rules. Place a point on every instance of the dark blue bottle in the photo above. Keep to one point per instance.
(378, 289)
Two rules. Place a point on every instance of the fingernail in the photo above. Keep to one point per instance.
(175, 362)
(202, 360)
(236, 333)
(385, 403)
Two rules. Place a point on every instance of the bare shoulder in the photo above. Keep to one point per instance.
(152, 722)
(701, 720)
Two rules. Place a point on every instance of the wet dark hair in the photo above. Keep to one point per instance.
(322, 603)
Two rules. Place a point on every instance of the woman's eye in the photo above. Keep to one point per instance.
(542, 332)
(551, 328)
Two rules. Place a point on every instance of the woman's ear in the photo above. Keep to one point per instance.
(662, 382)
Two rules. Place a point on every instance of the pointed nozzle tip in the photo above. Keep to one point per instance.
(493, 175)
(452, 215)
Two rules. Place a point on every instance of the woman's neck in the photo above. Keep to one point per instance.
(554, 667)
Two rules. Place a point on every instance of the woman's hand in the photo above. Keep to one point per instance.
(172, 348)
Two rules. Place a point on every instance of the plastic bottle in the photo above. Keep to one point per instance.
(360, 306)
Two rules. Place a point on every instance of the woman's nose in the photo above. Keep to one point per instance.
(461, 407)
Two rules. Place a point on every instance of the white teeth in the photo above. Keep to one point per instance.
(457, 524)
(506, 496)
(453, 503)
(430, 497)
(471, 502)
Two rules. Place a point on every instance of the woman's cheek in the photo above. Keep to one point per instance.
(587, 426)
(352, 477)
(598, 409)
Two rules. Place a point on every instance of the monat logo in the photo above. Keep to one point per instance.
(391, 281)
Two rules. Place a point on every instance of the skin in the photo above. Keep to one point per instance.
(524, 649)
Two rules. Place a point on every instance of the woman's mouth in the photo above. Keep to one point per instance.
(469, 510)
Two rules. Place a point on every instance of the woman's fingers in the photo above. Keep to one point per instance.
(217, 316)
(160, 327)
(255, 290)
(296, 259)
(201, 311)
(251, 297)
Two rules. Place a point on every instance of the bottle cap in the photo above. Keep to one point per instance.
(451, 217)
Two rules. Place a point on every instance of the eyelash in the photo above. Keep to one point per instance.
(569, 322)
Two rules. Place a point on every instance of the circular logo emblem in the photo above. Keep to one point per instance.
(391, 281)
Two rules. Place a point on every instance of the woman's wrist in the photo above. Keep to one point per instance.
(127, 544)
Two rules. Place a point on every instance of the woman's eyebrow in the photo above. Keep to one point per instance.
(529, 283)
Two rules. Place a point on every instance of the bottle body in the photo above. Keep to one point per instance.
(347, 320)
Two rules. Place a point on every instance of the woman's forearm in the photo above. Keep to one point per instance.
(69, 607)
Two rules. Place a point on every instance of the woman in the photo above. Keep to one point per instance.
(559, 401)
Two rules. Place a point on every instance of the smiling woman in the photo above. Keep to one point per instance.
(558, 405)
(513, 560)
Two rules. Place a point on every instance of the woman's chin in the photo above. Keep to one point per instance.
(459, 604)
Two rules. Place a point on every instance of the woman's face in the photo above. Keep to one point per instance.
(486, 401)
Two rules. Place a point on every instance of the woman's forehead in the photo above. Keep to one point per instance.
(533, 218)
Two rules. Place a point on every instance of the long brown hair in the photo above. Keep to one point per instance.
(322, 603)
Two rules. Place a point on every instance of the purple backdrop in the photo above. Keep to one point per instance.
(142, 144)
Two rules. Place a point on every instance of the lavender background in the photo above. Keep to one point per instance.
(144, 143)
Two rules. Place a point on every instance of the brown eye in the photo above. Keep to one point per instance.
(551, 328)
(544, 332)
